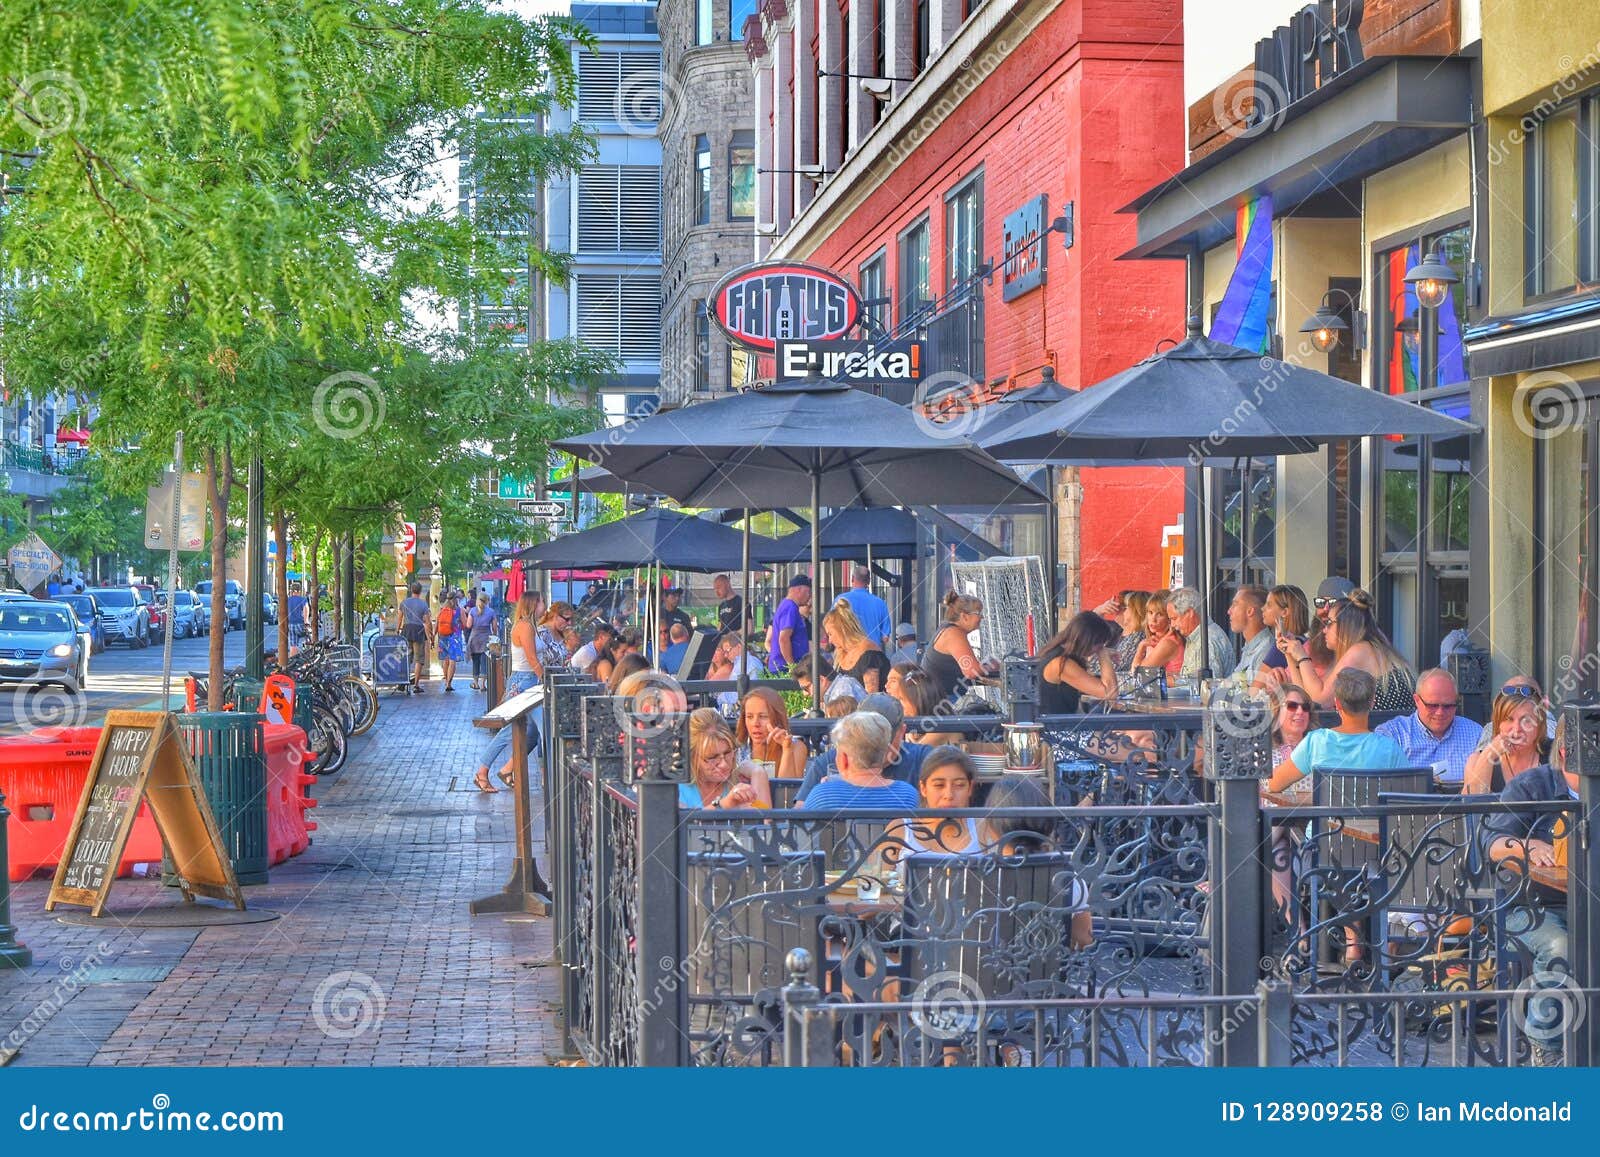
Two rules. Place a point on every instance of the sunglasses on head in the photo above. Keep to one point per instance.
(1518, 691)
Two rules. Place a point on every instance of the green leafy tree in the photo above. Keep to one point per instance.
(218, 205)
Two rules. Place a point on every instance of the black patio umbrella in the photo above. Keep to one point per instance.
(1203, 399)
(659, 536)
(810, 440)
(881, 533)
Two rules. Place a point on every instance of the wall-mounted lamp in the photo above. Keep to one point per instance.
(1431, 280)
(1327, 328)
(864, 76)
(809, 172)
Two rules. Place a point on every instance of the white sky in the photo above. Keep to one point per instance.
(1219, 38)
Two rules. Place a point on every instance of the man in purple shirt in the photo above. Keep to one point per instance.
(789, 637)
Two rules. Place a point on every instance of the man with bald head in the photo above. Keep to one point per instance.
(1435, 734)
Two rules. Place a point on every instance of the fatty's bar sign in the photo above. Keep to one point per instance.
(760, 305)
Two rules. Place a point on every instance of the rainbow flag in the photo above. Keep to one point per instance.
(1243, 319)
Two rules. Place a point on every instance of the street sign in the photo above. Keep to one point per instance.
(542, 508)
(408, 539)
(191, 514)
(32, 562)
(512, 487)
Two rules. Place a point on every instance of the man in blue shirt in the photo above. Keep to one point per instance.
(672, 655)
(905, 757)
(1435, 735)
(789, 636)
(871, 611)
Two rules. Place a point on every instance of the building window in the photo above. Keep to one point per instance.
(1567, 523)
(916, 292)
(740, 11)
(704, 22)
(1397, 316)
(963, 230)
(702, 346)
(742, 176)
(874, 278)
(619, 208)
(619, 314)
(1559, 199)
(921, 49)
(702, 179)
(619, 87)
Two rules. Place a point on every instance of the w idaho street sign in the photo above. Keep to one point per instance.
(761, 305)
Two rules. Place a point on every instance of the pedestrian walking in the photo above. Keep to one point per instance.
(485, 622)
(447, 629)
(416, 625)
(297, 618)
(527, 670)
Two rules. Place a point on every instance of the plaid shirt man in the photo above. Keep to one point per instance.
(1446, 754)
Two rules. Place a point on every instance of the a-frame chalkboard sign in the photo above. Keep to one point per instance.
(142, 756)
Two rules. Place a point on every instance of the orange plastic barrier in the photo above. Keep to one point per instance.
(288, 829)
(42, 776)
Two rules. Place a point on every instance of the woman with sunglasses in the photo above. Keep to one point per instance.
(1357, 642)
(1516, 744)
(1294, 720)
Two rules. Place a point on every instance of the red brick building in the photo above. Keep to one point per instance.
(932, 176)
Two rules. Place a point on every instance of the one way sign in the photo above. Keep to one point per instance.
(547, 508)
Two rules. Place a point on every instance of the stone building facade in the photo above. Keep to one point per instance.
(708, 186)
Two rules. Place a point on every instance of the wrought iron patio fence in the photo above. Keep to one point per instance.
(1134, 918)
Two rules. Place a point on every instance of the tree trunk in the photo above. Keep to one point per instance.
(219, 489)
(280, 581)
(314, 586)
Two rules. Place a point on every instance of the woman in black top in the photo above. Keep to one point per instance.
(949, 661)
(854, 654)
(1064, 665)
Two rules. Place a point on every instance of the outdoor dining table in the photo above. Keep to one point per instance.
(1359, 828)
(1548, 875)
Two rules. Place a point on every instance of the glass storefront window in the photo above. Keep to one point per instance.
(1568, 571)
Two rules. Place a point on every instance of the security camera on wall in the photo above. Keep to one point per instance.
(877, 87)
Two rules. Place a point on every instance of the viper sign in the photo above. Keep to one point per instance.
(761, 305)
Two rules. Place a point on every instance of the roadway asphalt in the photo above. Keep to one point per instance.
(119, 679)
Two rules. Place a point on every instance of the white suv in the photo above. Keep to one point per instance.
(232, 596)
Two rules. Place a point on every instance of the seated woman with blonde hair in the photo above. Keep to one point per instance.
(716, 777)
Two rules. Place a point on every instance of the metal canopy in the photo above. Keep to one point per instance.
(1379, 113)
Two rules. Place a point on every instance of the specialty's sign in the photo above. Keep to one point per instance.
(861, 363)
(761, 305)
(32, 562)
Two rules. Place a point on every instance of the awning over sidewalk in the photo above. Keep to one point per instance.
(1377, 114)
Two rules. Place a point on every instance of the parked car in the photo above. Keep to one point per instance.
(269, 607)
(88, 612)
(232, 597)
(201, 612)
(180, 609)
(40, 643)
(153, 599)
(124, 617)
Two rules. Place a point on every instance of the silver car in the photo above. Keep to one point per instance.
(123, 615)
(183, 613)
(40, 644)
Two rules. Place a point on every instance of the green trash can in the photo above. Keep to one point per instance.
(227, 753)
(247, 694)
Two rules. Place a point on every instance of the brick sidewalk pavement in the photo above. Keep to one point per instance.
(375, 960)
